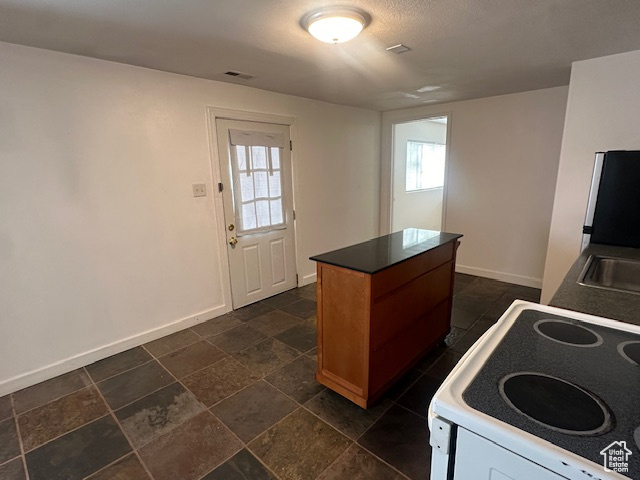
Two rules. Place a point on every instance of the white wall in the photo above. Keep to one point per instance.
(102, 244)
(422, 208)
(503, 162)
(602, 114)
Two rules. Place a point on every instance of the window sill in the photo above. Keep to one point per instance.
(424, 190)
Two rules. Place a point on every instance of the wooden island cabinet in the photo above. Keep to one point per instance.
(382, 305)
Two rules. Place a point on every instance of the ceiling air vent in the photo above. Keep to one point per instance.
(400, 48)
(244, 76)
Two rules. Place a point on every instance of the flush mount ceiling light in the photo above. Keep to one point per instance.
(335, 24)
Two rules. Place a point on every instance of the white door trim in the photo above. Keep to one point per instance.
(212, 114)
(389, 119)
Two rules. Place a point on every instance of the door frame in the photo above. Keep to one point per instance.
(387, 160)
(213, 114)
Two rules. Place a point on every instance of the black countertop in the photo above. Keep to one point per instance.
(383, 252)
(597, 301)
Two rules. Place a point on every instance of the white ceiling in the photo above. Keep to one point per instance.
(469, 48)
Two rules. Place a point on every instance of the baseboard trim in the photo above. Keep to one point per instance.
(307, 279)
(86, 358)
(502, 276)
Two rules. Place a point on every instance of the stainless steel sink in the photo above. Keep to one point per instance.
(611, 273)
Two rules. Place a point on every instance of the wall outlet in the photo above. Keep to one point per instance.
(199, 190)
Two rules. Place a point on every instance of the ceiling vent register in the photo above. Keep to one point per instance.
(244, 76)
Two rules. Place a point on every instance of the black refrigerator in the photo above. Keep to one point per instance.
(613, 212)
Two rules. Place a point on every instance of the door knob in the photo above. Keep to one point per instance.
(233, 241)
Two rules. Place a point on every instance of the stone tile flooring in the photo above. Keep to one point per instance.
(235, 398)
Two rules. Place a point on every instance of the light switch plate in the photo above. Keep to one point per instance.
(199, 190)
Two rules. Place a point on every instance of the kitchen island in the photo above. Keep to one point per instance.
(382, 305)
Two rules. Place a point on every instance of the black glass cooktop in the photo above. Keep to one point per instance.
(572, 383)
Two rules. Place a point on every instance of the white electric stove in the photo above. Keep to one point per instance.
(544, 394)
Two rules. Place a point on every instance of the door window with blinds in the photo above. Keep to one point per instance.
(257, 180)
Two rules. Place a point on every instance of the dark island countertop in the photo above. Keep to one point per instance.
(383, 252)
(597, 301)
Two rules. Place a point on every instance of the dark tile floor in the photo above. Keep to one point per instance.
(235, 398)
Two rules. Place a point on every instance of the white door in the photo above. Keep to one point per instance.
(255, 164)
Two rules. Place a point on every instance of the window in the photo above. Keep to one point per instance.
(258, 200)
(425, 165)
